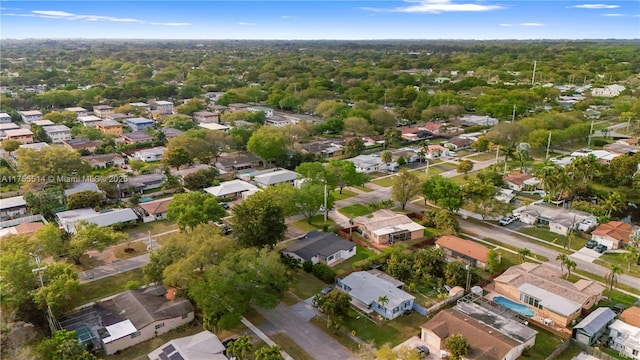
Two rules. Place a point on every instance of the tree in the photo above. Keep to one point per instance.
(177, 156)
(406, 185)
(443, 192)
(17, 282)
(392, 137)
(631, 256)
(524, 154)
(523, 254)
(489, 208)
(255, 214)
(51, 165)
(446, 222)
(386, 157)
(335, 305)
(84, 199)
(612, 202)
(10, 145)
(64, 345)
(611, 277)
(357, 126)
(61, 291)
(240, 346)
(179, 122)
(465, 166)
(190, 107)
(493, 261)
(353, 147)
(191, 209)
(456, 345)
(316, 173)
(310, 198)
(403, 353)
(481, 145)
(383, 119)
(201, 179)
(571, 265)
(429, 263)
(50, 240)
(269, 353)
(346, 175)
(562, 258)
(268, 143)
(90, 236)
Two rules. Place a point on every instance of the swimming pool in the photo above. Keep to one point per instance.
(519, 308)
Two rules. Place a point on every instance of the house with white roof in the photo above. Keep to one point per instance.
(559, 219)
(233, 188)
(68, 220)
(43, 123)
(141, 105)
(385, 227)
(89, 120)
(5, 118)
(202, 346)
(268, 112)
(608, 91)
(24, 136)
(215, 127)
(367, 163)
(58, 133)
(12, 207)
(477, 120)
(368, 287)
(151, 154)
(30, 116)
(163, 107)
(7, 126)
(78, 110)
(624, 333)
(271, 178)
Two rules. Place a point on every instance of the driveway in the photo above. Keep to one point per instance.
(293, 321)
(585, 254)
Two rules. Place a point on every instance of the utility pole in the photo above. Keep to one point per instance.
(497, 152)
(590, 131)
(533, 77)
(548, 145)
(513, 117)
(53, 323)
(325, 202)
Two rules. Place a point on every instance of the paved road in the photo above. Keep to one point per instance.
(293, 321)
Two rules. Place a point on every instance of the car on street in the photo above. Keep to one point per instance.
(601, 248)
(507, 220)
(591, 244)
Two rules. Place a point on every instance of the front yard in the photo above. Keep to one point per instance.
(317, 222)
(618, 259)
(544, 234)
(304, 285)
(355, 210)
(111, 285)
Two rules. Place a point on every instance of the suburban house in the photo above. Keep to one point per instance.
(476, 120)
(7, 126)
(321, 247)
(237, 161)
(109, 127)
(233, 188)
(327, 148)
(13, 207)
(233, 107)
(117, 117)
(590, 329)
(624, 333)
(467, 251)
(385, 227)
(129, 318)
(205, 117)
(139, 124)
(82, 186)
(104, 160)
(5, 118)
(614, 234)
(151, 154)
(277, 121)
(542, 288)
(58, 133)
(68, 220)
(141, 105)
(170, 133)
(490, 334)
(24, 136)
(155, 210)
(78, 110)
(141, 183)
(436, 151)
(458, 143)
(368, 164)
(136, 137)
(163, 107)
(81, 143)
(43, 123)
(26, 228)
(521, 182)
(30, 116)
(271, 178)
(608, 91)
(559, 219)
(102, 110)
(268, 112)
(89, 120)
(376, 292)
(415, 133)
(214, 127)
(204, 345)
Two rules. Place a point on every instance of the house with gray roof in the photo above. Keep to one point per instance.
(12, 207)
(589, 330)
(367, 290)
(321, 247)
(204, 345)
(271, 177)
(70, 219)
(233, 188)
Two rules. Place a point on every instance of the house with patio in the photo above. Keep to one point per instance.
(377, 292)
(321, 247)
(385, 227)
(467, 251)
(613, 235)
(521, 182)
(560, 220)
(591, 328)
(543, 289)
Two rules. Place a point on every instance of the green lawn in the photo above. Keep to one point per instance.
(545, 344)
(507, 259)
(483, 156)
(616, 297)
(389, 331)
(460, 180)
(514, 248)
(347, 266)
(111, 285)
(355, 210)
(290, 347)
(316, 223)
(617, 258)
(551, 237)
(630, 289)
(384, 182)
(140, 351)
(305, 285)
(345, 194)
(569, 353)
(155, 227)
(339, 336)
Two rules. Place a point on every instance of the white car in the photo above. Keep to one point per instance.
(507, 220)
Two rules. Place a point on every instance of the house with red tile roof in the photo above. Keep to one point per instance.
(520, 182)
(613, 234)
(467, 251)
(155, 210)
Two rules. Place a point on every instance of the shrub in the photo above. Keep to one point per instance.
(132, 285)
(324, 273)
(307, 266)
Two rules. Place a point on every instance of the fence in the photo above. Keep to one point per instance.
(25, 219)
(434, 308)
(585, 348)
(553, 330)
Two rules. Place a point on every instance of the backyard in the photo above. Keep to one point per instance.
(111, 285)
(347, 265)
(545, 344)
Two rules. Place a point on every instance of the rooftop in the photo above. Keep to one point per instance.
(201, 346)
(518, 178)
(467, 247)
(108, 123)
(595, 321)
(12, 202)
(139, 120)
(631, 316)
(230, 188)
(367, 288)
(614, 229)
(386, 221)
(319, 243)
(156, 206)
(57, 129)
(275, 177)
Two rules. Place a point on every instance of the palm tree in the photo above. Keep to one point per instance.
(554, 180)
(523, 153)
(570, 238)
(631, 255)
(563, 259)
(524, 253)
(584, 169)
(570, 264)
(611, 278)
(509, 153)
(383, 301)
(269, 353)
(240, 346)
(612, 203)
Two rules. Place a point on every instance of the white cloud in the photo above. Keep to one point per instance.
(595, 6)
(436, 7)
(531, 24)
(506, 25)
(612, 15)
(63, 15)
(247, 24)
(289, 17)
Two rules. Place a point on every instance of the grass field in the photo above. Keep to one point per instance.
(544, 234)
(345, 194)
(290, 347)
(384, 182)
(389, 331)
(631, 268)
(111, 285)
(305, 285)
(355, 210)
(545, 344)
(483, 156)
(317, 223)
(347, 265)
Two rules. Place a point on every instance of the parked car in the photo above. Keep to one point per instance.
(507, 220)
(587, 225)
(601, 248)
(224, 205)
(422, 350)
(591, 244)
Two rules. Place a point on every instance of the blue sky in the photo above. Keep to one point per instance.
(332, 19)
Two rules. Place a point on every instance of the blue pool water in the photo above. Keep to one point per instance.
(519, 308)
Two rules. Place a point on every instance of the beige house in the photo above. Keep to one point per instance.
(24, 136)
(155, 210)
(385, 227)
(543, 289)
(109, 127)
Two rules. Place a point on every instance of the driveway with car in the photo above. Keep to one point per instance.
(585, 254)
